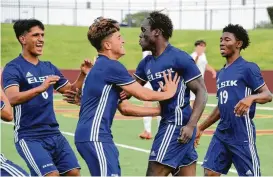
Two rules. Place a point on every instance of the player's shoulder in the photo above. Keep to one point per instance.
(248, 65)
(14, 63)
(179, 53)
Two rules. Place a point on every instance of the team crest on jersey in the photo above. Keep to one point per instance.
(228, 83)
(157, 75)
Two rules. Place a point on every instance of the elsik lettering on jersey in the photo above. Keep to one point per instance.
(158, 75)
(229, 83)
(32, 80)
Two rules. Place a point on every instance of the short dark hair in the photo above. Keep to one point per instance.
(199, 42)
(240, 34)
(100, 29)
(22, 26)
(160, 21)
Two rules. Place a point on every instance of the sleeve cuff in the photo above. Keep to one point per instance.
(139, 77)
(259, 87)
(61, 85)
(127, 83)
(193, 78)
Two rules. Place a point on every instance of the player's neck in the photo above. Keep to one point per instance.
(109, 55)
(30, 58)
(160, 48)
(232, 58)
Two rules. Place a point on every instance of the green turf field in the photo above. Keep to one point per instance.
(134, 151)
(67, 46)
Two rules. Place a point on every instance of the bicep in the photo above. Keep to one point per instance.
(67, 86)
(132, 89)
(141, 82)
(263, 89)
(196, 85)
(10, 91)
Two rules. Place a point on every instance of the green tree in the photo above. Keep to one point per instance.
(135, 20)
(270, 13)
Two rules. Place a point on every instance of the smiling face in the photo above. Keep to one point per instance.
(229, 44)
(147, 36)
(114, 43)
(33, 41)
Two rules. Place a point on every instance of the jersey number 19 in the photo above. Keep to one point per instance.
(223, 97)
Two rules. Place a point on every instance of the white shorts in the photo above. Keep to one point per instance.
(192, 96)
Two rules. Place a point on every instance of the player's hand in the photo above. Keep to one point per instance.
(197, 137)
(214, 74)
(123, 95)
(186, 133)
(243, 106)
(72, 97)
(170, 84)
(50, 80)
(86, 66)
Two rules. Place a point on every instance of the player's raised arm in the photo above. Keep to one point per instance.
(85, 68)
(6, 111)
(142, 93)
(128, 109)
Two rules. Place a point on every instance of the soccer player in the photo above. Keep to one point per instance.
(100, 98)
(7, 167)
(147, 120)
(29, 84)
(240, 86)
(173, 147)
(201, 61)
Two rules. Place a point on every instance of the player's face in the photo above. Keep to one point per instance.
(115, 44)
(200, 49)
(228, 44)
(146, 36)
(33, 41)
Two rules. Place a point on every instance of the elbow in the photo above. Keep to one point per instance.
(124, 111)
(270, 96)
(7, 118)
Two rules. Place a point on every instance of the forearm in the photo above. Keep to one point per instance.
(138, 111)
(198, 107)
(148, 95)
(211, 119)
(262, 98)
(210, 69)
(78, 83)
(16, 98)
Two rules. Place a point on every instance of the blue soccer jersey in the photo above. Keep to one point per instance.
(36, 117)
(2, 104)
(99, 100)
(234, 83)
(177, 109)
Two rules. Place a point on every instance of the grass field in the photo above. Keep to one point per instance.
(67, 46)
(134, 151)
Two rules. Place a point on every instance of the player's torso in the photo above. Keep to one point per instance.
(36, 116)
(201, 64)
(231, 88)
(98, 106)
(176, 109)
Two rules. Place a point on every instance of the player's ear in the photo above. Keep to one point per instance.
(106, 45)
(157, 32)
(22, 39)
(239, 44)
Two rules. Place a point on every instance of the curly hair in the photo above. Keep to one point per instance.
(100, 29)
(162, 22)
(240, 34)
